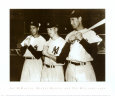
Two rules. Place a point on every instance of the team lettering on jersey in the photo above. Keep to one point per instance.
(55, 50)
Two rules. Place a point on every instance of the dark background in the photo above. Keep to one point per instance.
(19, 19)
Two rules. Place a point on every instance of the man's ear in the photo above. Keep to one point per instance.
(80, 18)
(56, 29)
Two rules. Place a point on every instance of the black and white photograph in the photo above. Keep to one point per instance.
(57, 45)
(57, 48)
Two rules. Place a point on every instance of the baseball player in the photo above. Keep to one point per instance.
(52, 71)
(83, 42)
(32, 48)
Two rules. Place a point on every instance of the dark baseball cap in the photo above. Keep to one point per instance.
(35, 23)
(51, 24)
(74, 13)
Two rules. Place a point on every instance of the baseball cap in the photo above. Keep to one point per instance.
(35, 23)
(51, 24)
(74, 14)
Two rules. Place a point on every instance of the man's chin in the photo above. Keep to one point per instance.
(33, 35)
(73, 27)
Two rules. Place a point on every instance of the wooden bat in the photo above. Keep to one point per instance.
(96, 25)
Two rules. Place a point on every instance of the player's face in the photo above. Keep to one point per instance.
(34, 30)
(74, 22)
(51, 32)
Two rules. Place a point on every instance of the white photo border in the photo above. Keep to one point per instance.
(93, 88)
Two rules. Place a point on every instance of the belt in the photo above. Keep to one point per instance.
(50, 66)
(81, 63)
(30, 58)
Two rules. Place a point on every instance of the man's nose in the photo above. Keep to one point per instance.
(72, 23)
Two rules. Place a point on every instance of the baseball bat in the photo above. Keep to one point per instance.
(96, 25)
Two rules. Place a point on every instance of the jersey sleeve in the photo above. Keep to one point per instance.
(64, 53)
(92, 37)
(90, 48)
(36, 54)
(23, 47)
(23, 50)
(26, 40)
